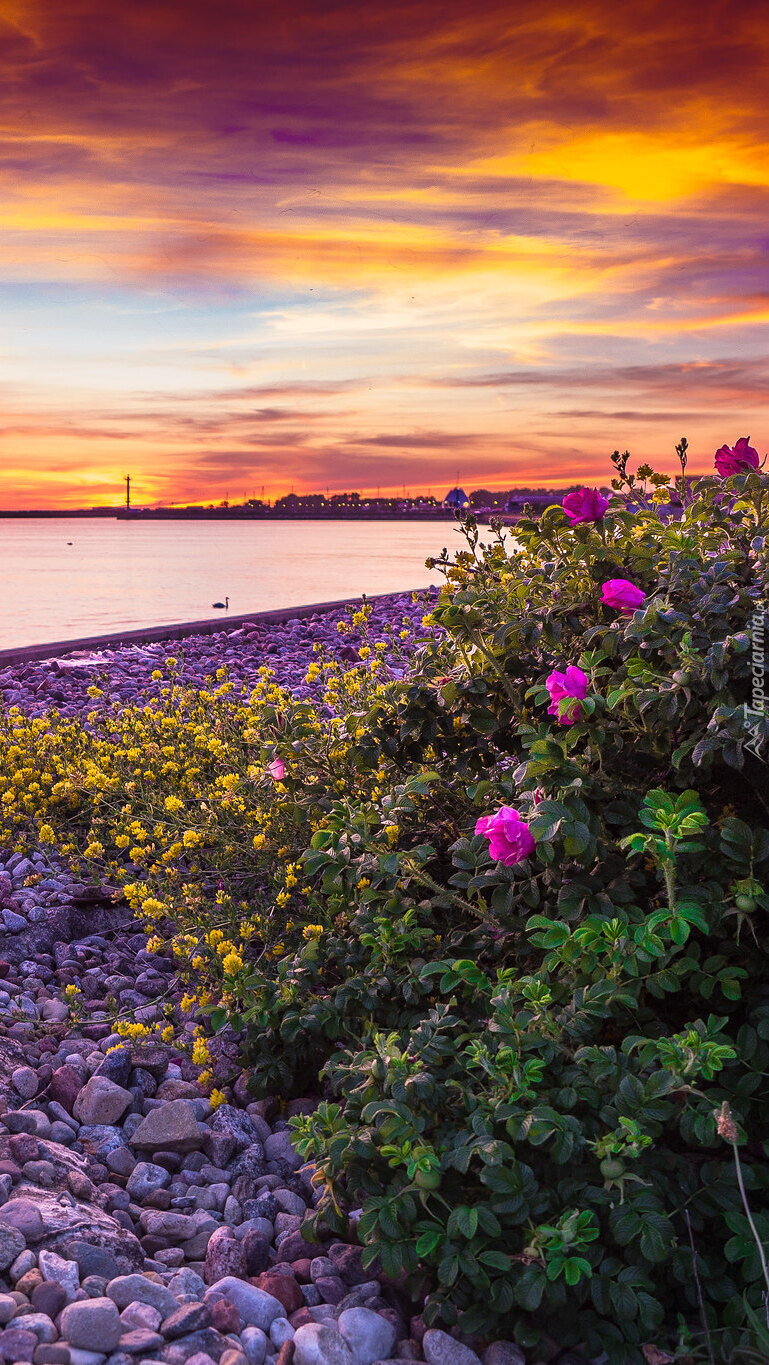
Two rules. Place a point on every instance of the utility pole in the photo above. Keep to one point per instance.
(128, 492)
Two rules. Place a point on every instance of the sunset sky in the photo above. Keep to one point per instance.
(310, 244)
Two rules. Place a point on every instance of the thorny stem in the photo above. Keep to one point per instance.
(669, 873)
(752, 1226)
(478, 642)
(700, 1301)
(425, 880)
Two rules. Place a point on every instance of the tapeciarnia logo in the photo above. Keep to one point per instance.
(755, 710)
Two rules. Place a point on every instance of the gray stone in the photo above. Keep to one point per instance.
(187, 1281)
(317, 1343)
(116, 1066)
(190, 1317)
(17, 1345)
(27, 1260)
(172, 1127)
(24, 1216)
(91, 1325)
(503, 1353)
(441, 1349)
(12, 922)
(8, 1306)
(171, 1226)
(228, 1119)
(141, 1315)
(41, 1325)
(280, 1332)
(369, 1336)
(66, 1220)
(121, 1161)
(101, 1102)
(12, 1243)
(225, 1255)
(254, 1342)
(256, 1308)
(207, 1340)
(25, 1081)
(55, 1268)
(146, 1177)
(28, 1121)
(277, 1147)
(140, 1341)
(137, 1289)
(288, 1202)
(93, 1260)
(79, 1356)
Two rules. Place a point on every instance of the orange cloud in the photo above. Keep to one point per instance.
(392, 203)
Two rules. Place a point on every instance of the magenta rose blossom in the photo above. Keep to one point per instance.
(572, 683)
(277, 769)
(586, 504)
(737, 459)
(508, 835)
(622, 594)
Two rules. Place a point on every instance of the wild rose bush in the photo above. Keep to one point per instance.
(511, 911)
(529, 1119)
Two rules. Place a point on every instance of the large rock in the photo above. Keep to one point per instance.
(201, 1347)
(190, 1317)
(91, 1325)
(136, 1289)
(503, 1353)
(25, 1216)
(66, 1220)
(16, 1344)
(369, 1336)
(64, 1273)
(171, 1128)
(250, 1166)
(102, 1102)
(225, 1255)
(256, 1308)
(145, 1178)
(227, 1119)
(318, 1344)
(441, 1349)
(277, 1147)
(65, 1086)
(116, 1065)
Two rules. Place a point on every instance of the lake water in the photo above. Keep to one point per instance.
(119, 575)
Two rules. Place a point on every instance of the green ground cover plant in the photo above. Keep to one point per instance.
(506, 913)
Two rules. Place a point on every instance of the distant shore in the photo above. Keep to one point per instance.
(262, 514)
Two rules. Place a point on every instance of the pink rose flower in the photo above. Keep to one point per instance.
(572, 683)
(737, 459)
(587, 504)
(277, 769)
(508, 835)
(622, 594)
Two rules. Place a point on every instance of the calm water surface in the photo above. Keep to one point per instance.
(120, 575)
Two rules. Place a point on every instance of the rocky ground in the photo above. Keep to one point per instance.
(287, 648)
(136, 1224)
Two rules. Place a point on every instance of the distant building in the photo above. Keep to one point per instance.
(456, 497)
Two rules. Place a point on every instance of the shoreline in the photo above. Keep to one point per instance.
(179, 630)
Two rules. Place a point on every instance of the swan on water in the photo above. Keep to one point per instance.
(224, 605)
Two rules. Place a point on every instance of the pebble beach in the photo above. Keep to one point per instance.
(136, 1223)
